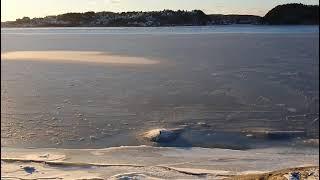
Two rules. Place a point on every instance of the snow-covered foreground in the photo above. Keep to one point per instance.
(145, 162)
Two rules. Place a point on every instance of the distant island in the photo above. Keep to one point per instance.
(295, 14)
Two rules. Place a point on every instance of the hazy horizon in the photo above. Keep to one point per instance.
(13, 9)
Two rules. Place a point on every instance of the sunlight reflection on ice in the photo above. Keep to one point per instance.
(76, 56)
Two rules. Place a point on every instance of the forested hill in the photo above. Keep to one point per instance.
(296, 14)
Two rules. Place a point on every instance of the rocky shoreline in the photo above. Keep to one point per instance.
(309, 173)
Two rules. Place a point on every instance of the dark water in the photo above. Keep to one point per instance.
(220, 87)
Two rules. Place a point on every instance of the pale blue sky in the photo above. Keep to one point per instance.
(12, 9)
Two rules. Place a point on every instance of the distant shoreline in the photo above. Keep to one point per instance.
(287, 14)
(218, 25)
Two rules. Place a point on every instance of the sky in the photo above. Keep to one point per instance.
(13, 9)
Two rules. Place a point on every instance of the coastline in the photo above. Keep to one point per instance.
(164, 30)
(165, 26)
(139, 162)
(173, 18)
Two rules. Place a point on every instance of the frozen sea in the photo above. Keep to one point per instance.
(236, 87)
